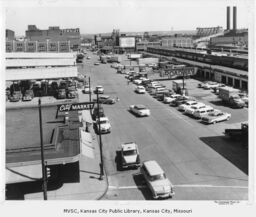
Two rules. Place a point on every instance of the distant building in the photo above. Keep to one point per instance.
(231, 40)
(55, 35)
(9, 35)
(142, 45)
(177, 42)
(203, 32)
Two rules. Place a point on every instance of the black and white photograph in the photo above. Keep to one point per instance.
(117, 107)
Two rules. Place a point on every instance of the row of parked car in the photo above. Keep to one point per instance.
(60, 90)
(189, 105)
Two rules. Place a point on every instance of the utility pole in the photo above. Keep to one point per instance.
(99, 131)
(42, 151)
(90, 94)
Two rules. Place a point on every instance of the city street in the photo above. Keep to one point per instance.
(198, 160)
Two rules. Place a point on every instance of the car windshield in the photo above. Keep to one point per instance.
(130, 152)
(158, 177)
(140, 108)
(103, 121)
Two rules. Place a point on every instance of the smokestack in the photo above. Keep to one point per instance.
(228, 18)
(234, 18)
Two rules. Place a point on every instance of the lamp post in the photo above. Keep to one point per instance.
(100, 140)
(42, 152)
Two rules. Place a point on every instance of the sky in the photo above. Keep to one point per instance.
(98, 17)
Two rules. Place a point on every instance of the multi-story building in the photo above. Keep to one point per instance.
(9, 34)
(53, 39)
(142, 45)
(177, 42)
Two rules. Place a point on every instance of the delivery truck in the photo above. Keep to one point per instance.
(177, 86)
(230, 96)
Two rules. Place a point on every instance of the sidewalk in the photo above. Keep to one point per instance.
(89, 187)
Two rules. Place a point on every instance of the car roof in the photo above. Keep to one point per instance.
(104, 96)
(153, 168)
(103, 118)
(129, 146)
(140, 106)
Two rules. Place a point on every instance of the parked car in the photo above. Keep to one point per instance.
(130, 156)
(28, 95)
(61, 94)
(169, 98)
(88, 57)
(199, 113)
(200, 85)
(71, 92)
(215, 117)
(179, 100)
(87, 89)
(99, 89)
(98, 111)
(140, 110)
(96, 63)
(105, 99)
(210, 85)
(159, 185)
(187, 105)
(16, 96)
(140, 89)
(105, 126)
(192, 109)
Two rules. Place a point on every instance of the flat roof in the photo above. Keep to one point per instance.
(206, 65)
(9, 63)
(40, 73)
(61, 142)
(39, 55)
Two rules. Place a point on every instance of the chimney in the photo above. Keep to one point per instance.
(234, 18)
(228, 18)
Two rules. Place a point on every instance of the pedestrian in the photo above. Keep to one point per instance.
(117, 99)
(128, 82)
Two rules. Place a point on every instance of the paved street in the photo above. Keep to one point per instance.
(199, 161)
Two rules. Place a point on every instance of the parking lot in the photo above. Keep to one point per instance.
(199, 160)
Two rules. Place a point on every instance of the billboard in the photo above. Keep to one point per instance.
(127, 42)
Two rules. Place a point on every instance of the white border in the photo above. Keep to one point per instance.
(200, 208)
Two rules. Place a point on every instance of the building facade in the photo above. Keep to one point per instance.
(177, 42)
(55, 35)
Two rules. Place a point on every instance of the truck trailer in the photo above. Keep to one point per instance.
(230, 96)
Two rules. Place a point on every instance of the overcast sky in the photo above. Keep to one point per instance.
(129, 15)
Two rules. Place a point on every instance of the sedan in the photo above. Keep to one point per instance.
(140, 89)
(140, 110)
(105, 99)
(97, 63)
(187, 105)
(99, 89)
(215, 117)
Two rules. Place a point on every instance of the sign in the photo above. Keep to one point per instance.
(75, 106)
(188, 71)
(127, 42)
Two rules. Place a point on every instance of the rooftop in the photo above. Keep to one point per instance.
(61, 142)
(40, 73)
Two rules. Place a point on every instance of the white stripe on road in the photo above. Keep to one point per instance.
(178, 186)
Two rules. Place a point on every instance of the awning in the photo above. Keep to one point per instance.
(40, 73)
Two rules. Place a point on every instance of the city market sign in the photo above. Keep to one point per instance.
(75, 106)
